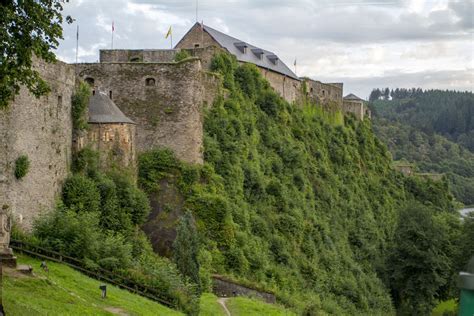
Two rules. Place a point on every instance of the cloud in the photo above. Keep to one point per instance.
(333, 39)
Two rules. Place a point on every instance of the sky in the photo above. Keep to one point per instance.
(363, 43)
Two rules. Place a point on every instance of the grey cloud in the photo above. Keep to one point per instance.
(462, 80)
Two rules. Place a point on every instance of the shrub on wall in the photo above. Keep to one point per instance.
(181, 55)
(22, 165)
(80, 102)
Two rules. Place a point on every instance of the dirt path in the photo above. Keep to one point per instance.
(222, 301)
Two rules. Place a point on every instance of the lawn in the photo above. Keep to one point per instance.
(240, 306)
(210, 306)
(64, 291)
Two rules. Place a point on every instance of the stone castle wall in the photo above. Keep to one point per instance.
(196, 38)
(324, 93)
(137, 55)
(41, 129)
(288, 88)
(114, 142)
(164, 99)
(355, 107)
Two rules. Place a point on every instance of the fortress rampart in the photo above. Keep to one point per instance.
(40, 129)
(164, 99)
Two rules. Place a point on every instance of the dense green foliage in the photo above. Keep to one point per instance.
(434, 129)
(186, 248)
(22, 165)
(80, 102)
(98, 222)
(448, 113)
(27, 28)
(423, 260)
(291, 200)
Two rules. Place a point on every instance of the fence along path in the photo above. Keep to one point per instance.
(98, 274)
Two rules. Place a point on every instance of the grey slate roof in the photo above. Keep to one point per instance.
(234, 46)
(103, 110)
(353, 97)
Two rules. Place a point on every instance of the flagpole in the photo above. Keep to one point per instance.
(77, 42)
(112, 45)
(171, 36)
(197, 3)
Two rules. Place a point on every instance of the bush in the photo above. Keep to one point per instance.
(181, 55)
(22, 165)
(80, 194)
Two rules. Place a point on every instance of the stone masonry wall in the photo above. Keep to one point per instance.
(42, 130)
(138, 55)
(355, 107)
(114, 142)
(196, 38)
(202, 45)
(288, 88)
(324, 93)
(226, 288)
(168, 113)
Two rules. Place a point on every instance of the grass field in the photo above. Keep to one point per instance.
(241, 306)
(65, 291)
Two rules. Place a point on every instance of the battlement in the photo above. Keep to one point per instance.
(137, 55)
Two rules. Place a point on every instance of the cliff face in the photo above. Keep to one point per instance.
(40, 129)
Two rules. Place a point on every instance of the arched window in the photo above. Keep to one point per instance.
(150, 82)
(89, 81)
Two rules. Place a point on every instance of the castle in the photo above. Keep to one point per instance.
(142, 99)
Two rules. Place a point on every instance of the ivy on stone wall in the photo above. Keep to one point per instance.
(80, 102)
(22, 165)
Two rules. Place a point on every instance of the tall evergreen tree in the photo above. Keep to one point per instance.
(186, 248)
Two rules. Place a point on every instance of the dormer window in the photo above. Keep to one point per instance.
(273, 59)
(242, 46)
(258, 52)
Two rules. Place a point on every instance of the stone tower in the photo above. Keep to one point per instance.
(110, 132)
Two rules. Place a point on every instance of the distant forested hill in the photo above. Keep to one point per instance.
(434, 129)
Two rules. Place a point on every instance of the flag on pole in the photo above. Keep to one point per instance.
(113, 28)
(294, 62)
(77, 33)
(202, 25)
(169, 33)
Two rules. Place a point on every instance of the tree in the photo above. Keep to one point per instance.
(375, 95)
(27, 28)
(420, 262)
(386, 94)
(186, 248)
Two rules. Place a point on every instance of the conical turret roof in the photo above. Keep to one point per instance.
(103, 110)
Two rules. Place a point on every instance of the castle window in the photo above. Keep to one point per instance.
(134, 59)
(89, 81)
(311, 90)
(149, 82)
(110, 94)
(93, 92)
(324, 93)
(196, 45)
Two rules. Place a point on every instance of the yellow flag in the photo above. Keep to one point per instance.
(169, 33)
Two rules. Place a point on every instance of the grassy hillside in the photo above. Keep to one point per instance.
(64, 291)
(290, 199)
